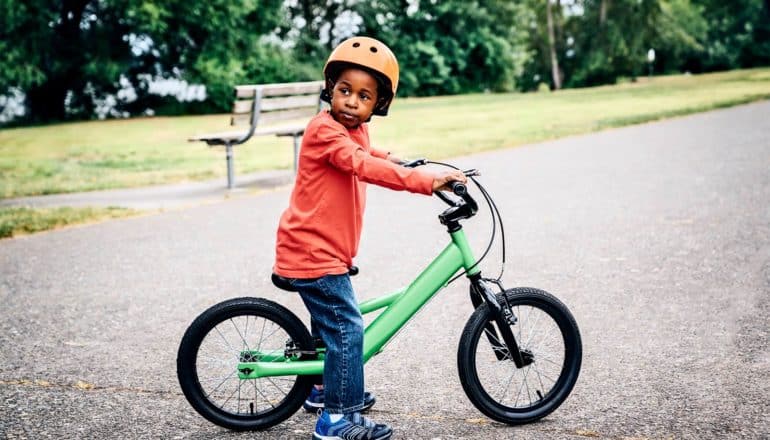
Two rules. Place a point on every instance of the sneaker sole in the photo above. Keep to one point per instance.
(325, 437)
(312, 407)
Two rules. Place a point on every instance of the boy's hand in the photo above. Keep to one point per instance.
(442, 179)
(395, 159)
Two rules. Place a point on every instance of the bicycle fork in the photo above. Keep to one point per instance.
(504, 318)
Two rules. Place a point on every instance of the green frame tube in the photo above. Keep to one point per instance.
(400, 307)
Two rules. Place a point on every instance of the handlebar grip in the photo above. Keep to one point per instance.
(458, 188)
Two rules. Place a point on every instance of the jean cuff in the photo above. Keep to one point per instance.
(352, 409)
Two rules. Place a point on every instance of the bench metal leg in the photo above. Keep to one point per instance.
(230, 172)
(296, 152)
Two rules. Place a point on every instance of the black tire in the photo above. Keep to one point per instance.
(209, 354)
(554, 370)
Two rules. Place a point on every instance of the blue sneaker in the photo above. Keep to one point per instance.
(350, 427)
(315, 400)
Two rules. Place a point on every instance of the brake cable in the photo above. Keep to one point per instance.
(495, 214)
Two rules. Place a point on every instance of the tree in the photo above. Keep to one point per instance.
(611, 40)
(738, 34)
(450, 47)
(316, 23)
(680, 37)
(68, 57)
(556, 74)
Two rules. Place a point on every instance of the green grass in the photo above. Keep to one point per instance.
(146, 151)
(20, 221)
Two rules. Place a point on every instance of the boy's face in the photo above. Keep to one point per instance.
(353, 97)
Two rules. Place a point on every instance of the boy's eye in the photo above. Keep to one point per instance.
(365, 97)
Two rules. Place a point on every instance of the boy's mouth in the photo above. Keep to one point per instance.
(348, 117)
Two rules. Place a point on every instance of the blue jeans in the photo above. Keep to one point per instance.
(336, 319)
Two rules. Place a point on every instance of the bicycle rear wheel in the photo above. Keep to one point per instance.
(242, 329)
(545, 329)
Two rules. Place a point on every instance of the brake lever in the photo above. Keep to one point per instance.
(414, 163)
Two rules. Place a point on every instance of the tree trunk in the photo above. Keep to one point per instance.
(603, 12)
(46, 102)
(555, 71)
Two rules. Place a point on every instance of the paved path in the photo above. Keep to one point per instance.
(171, 196)
(657, 237)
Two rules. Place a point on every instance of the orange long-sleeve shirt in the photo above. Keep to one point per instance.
(320, 231)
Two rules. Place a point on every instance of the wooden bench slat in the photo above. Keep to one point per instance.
(271, 117)
(247, 91)
(284, 130)
(288, 130)
(224, 135)
(273, 104)
(289, 102)
(243, 106)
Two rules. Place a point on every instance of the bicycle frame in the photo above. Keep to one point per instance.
(400, 307)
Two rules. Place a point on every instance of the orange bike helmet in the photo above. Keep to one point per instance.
(370, 55)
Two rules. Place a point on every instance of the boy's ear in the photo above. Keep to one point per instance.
(381, 103)
(326, 93)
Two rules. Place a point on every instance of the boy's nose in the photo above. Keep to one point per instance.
(351, 101)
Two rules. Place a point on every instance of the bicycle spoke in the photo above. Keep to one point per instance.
(507, 385)
(542, 357)
(216, 360)
(520, 387)
(532, 329)
(254, 381)
(276, 386)
(498, 346)
(539, 377)
(222, 406)
(220, 384)
(540, 373)
(259, 343)
(238, 409)
(545, 338)
(266, 398)
(278, 327)
(226, 342)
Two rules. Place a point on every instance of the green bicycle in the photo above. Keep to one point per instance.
(248, 363)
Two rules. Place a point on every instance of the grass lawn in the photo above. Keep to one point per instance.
(124, 153)
(145, 151)
(21, 221)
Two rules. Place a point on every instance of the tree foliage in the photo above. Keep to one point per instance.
(600, 41)
(76, 59)
(451, 47)
(69, 56)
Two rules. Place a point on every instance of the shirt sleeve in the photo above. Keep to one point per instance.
(346, 155)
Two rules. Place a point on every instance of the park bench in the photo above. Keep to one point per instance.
(267, 109)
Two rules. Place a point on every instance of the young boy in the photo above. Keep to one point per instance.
(319, 233)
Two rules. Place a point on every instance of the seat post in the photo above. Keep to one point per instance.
(230, 172)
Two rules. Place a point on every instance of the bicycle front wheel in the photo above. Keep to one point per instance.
(237, 330)
(545, 330)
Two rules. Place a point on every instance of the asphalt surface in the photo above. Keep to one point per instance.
(163, 197)
(656, 236)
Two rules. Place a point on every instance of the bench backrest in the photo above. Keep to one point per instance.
(266, 103)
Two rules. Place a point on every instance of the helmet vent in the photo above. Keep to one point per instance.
(356, 44)
(373, 49)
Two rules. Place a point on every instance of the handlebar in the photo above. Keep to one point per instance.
(458, 209)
